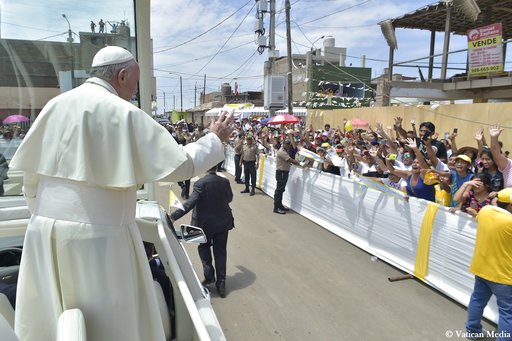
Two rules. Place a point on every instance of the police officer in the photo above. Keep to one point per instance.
(249, 160)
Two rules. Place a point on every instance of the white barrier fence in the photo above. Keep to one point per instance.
(418, 237)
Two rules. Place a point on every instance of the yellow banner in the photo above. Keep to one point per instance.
(422, 252)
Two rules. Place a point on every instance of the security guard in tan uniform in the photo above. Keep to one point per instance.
(283, 165)
(249, 160)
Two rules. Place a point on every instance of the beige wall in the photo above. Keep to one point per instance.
(466, 117)
(15, 100)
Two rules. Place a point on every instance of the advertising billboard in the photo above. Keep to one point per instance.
(485, 51)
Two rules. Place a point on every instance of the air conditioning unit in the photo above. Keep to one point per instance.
(275, 92)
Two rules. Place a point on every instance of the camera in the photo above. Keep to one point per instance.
(426, 136)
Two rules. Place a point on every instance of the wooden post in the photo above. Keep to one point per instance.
(431, 55)
(390, 63)
(447, 28)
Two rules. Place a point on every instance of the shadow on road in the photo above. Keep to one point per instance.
(240, 280)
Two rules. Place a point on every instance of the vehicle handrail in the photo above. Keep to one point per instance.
(201, 330)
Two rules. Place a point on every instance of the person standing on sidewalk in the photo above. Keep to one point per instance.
(239, 145)
(492, 267)
(283, 165)
(250, 161)
(210, 200)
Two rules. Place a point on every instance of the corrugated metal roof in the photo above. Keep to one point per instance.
(432, 17)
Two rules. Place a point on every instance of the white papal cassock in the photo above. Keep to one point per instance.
(84, 158)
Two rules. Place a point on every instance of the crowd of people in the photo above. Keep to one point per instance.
(415, 161)
(476, 180)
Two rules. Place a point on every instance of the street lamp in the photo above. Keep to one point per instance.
(309, 68)
(164, 97)
(181, 91)
(70, 40)
(313, 43)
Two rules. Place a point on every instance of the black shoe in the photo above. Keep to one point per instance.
(208, 281)
(252, 192)
(240, 182)
(279, 211)
(245, 190)
(221, 288)
(285, 209)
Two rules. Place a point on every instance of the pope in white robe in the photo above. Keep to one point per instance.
(84, 158)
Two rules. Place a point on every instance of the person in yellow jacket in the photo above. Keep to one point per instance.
(492, 267)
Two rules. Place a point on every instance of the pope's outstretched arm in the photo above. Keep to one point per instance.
(205, 152)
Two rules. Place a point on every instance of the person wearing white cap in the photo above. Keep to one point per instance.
(84, 158)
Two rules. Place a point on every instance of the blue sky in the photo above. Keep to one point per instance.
(216, 38)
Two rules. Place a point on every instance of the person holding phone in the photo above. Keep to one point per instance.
(428, 130)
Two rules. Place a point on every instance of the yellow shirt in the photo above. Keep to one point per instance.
(492, 259)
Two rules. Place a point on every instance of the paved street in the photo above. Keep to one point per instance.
(289, 279)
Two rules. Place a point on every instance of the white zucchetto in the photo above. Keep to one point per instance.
(111, 55)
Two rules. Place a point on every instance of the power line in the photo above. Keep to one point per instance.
(236, 29)
(342, 27)
(210, 29)
(336, 12)
(210, 40)
(55, 35)
(201, 77)
(246, 61)
(204, 57)
(29, 27)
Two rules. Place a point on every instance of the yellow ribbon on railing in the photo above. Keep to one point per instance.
(260, 169)
(423, 249)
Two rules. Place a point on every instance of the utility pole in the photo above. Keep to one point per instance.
(195, 95)
(181, 94)
(271, 43)
(289, 52)
(173, 102)
(164, 102)
(70, 40)
(272, 32)
(204, 89)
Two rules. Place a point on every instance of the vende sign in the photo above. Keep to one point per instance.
(485, 49)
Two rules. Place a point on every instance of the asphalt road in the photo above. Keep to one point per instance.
(289, 279)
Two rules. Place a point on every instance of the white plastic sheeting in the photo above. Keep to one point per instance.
(383, 225)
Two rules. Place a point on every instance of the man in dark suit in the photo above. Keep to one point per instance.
(210, 200)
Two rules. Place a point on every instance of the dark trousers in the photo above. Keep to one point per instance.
(219, 166)
(282, 179)
(238, 168)
(250, 173)
(185, 188)
(219, 242)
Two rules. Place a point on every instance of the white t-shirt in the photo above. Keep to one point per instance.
(396, 185)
